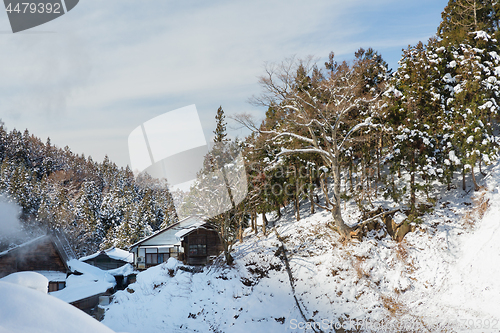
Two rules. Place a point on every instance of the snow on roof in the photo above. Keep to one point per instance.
(58, 239)
(23, 244)
(53, 276)
(92, 281)
(120, 254)
(30, 280)
(159, 246)
(183, 232)
(114, 253)
(24, 310)
(125, 270)
(186, 222)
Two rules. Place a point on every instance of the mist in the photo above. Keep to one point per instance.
(9, 218)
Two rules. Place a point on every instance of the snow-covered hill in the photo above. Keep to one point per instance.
(442, 278)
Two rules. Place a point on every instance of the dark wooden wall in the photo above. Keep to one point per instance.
(202, 236)
(104, 262)
(40, 255)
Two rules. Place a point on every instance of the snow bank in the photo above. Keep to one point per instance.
(168, 300)
(24, 310)
(472, 287)
(31, 280)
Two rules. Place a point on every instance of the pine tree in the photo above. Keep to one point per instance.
(474, 105)
(220, 129)
(463, 17)
(415, 111)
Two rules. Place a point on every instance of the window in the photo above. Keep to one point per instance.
(156, 258)
(197, 249)
(55, 286)
(151, 258)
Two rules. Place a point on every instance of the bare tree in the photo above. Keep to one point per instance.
(320, 110)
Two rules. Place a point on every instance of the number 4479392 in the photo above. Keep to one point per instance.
(32, 7)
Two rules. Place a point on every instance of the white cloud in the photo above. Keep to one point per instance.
(117, 63)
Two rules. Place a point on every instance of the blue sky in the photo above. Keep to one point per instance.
(88, 78)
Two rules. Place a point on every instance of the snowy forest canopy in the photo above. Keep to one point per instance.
(97, 205)
(370, 131)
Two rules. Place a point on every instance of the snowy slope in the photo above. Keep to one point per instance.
(441, 278)
(469, 290)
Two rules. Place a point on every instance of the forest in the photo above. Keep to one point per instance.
(97, 205)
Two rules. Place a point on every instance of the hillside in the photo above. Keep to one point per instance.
(440, 278)
(97, 204)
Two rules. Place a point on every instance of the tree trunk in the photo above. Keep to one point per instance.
(227, 255)
(252, 225)
(350, 177)
(480, 167)
(264, 224)
(475, 16)
(393, 184)
(278, 212)
(296, 193)
(311, 198)
(413, 198)
(476, 186)
(240, 229)
(463, 178)
(296, 205)
(225, 246)
(379, 157)
(254, 217)
(342, 228)
(363, 177)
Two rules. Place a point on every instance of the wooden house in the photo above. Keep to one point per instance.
(48, 255)
(191, 240)
(70, 280)
(109, 259)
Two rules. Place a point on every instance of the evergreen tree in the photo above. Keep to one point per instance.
(474, 105)
(463, 17)
(414, 113)
(220, 129)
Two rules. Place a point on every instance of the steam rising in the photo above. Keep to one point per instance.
(9, 221)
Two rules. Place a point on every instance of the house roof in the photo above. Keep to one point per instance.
(62, 245)
(177, 224)
(13, 249)
(53, 276)
(113, 253)
(183, 232)
(90, 282)
(58, 239)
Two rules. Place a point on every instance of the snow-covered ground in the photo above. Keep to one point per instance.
(25, 307)
(442, 278)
